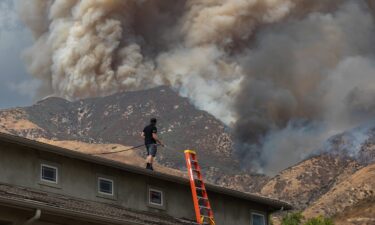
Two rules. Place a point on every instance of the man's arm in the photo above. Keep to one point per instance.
(156, 138)
(143, 135)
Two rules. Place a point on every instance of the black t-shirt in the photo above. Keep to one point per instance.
(148, 131)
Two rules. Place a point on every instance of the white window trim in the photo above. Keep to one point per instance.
(112, 189)
(258, 214)
(149, 197)
(49, 166)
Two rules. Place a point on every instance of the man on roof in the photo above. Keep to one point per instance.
(151, 141)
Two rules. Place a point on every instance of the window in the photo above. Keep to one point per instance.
(155, 197)
(105, 186)
(257, 219)
(49, 174)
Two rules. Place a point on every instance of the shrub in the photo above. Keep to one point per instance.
(270, 220)
(319, 221)
(292, 219)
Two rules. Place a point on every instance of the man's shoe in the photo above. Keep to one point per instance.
(148, 166)
(151, 168)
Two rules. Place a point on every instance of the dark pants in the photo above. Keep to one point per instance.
(151, 149)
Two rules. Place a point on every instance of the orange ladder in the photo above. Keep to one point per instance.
(203, 210)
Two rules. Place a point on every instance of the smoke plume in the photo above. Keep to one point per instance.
(283, 74)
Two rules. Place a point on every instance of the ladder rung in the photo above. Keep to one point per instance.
(193, 161)
(204, 207)
(202, 198)
(196, 170)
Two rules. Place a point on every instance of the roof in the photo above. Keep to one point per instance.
(273, 204)
(15, 196)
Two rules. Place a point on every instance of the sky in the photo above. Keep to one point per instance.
(17, 88)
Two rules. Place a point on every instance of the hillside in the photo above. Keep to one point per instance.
(305, 182)
(335, 181)
(119, 119)
(351, 201)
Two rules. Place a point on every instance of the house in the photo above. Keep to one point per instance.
(45, 185)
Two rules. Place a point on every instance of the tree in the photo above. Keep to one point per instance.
(319, 221)
(270, 220)
(292, 219)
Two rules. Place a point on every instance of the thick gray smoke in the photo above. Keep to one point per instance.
(283, 74)
(306, 80)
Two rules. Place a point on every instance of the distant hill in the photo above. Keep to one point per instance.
(120, 119)
(351, 201)
(309, 180)
(334, 182)
(339, 182)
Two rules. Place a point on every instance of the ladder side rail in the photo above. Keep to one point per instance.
(193, 187)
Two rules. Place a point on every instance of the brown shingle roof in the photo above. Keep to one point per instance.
(81, 209)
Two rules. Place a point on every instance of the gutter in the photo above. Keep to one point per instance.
(36, 217)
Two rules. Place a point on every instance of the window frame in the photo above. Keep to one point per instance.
(112, 194)
(151, 204)
(100, 195)
(46, 165)
(258, 214)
